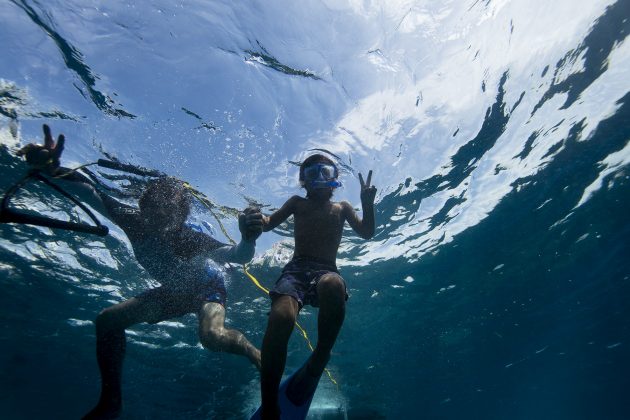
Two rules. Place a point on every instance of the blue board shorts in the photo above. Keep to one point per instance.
(174, 301)
(299, 280)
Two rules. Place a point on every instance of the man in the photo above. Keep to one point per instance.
(187, 263)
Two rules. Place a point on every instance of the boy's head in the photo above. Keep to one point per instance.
(318, 175)
(165, 202)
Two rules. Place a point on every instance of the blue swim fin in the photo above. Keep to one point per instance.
(295, 398)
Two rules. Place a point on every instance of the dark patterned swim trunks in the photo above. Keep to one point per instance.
(299, 280)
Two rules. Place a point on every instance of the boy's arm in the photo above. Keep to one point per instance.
(366, 227)
(274, 219)
(252, 223)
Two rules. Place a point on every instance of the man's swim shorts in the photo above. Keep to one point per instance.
(173, 301)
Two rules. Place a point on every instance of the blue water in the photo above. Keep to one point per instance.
(497, 284)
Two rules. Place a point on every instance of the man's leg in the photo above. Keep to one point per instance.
(215, 337)
(110, 351)
(282, 317)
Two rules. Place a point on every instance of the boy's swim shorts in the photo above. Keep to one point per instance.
(299, 280)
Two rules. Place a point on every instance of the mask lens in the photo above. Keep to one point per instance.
(313, 172)
(327, 171)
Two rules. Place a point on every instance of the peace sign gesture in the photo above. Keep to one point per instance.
(46, 157)
(368, 192)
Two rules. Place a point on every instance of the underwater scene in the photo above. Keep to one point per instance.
(497, 282)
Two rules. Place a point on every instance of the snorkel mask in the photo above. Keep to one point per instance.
(321, 176)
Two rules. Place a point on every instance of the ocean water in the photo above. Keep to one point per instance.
(497, 284)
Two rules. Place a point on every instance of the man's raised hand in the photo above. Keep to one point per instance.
(47, 157)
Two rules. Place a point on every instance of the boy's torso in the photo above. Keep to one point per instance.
(318, 228)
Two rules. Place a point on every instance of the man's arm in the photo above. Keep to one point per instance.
(47, 159)
(250, 226)
(364, 227)
(123, 215)
(241, 253)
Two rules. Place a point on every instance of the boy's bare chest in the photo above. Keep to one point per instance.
(319, 217)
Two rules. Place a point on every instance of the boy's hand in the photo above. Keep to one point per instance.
(46, 157)
(368, 192)
(250, 223)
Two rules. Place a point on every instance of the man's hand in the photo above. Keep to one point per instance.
(250, 223)
(46, 157)
(368, 192)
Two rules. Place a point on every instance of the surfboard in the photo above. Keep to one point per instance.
(289, 410)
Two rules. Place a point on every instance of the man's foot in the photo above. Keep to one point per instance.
(303, 384)
(104, 411)
(254, 357)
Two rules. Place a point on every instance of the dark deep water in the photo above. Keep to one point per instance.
(497, 285)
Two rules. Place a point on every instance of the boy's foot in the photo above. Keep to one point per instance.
(303, 385)
(104, 411)
(317, 362)
(272, 413)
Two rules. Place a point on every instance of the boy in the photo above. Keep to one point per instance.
(311, 277)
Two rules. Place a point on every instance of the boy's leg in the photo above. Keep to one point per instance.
(282, 317)
(215, 337)
(331, 294)
(110, 351)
